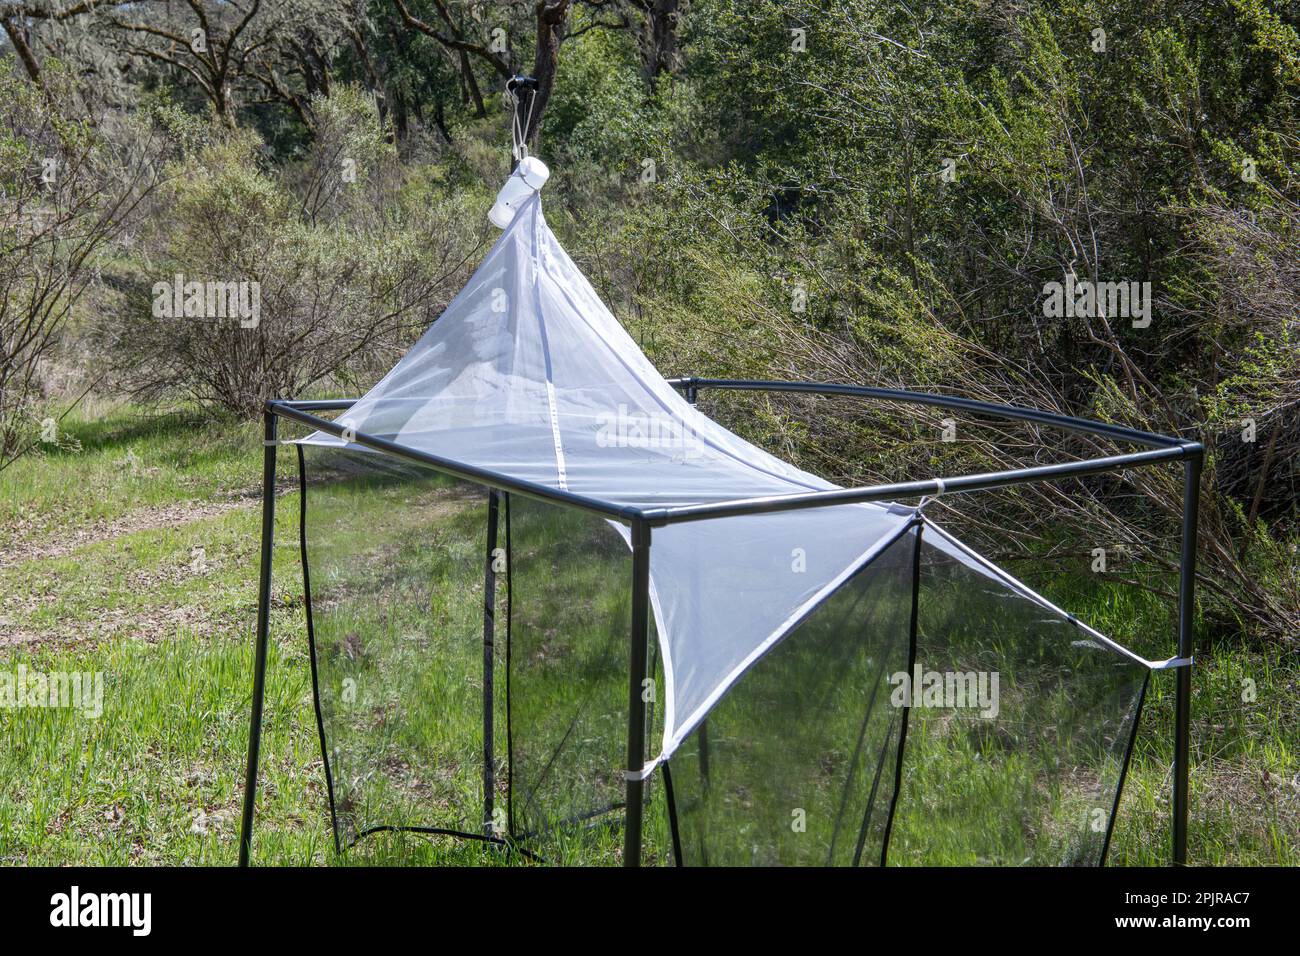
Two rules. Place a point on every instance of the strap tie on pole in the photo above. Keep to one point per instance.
(926, 499)
(643, 773)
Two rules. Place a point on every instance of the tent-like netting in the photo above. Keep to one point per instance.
(845, 684)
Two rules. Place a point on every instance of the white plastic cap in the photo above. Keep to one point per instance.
(533, 171)
(529, 177)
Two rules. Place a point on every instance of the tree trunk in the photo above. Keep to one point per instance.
(467, 70)
(659, 40)
(401, 120)
(552, 26)
(440, 120)
(19, 41)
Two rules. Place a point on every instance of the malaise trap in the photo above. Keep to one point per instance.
(556, 609)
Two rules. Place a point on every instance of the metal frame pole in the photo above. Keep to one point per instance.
(702, 732)
(1183, 692)
(489, 628)
(912, 627)
(270, 429)
(639, 647)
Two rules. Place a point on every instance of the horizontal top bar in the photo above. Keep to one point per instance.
(911, 489)
(1164, 449)
(318, 405)
(941, 401)
(456, 469)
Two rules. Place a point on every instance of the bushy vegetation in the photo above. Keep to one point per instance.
(350, 261)
(66, 191)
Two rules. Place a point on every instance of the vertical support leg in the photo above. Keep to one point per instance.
(702, 736)
(489, 662)
(702, 733)
(1183, 692)
(639, 646)
(269, 431)
(912, 628)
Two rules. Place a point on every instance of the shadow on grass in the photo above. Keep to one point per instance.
(121, 429)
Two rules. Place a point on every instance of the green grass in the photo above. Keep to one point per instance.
(136, 555)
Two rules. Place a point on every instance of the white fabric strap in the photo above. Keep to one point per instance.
(644, 772)
(553, 406)
(926, 499)
(519, 146)
(561, 470)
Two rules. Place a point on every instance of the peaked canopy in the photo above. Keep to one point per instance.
(527, 374)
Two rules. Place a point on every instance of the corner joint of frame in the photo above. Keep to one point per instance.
(640, 531)
(649, 518)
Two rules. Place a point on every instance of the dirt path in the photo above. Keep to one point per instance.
(44, 547)
(33, 540)
(35, 543)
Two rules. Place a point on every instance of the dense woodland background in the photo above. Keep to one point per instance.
(868, 192)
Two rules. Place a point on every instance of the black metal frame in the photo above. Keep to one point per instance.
(489, 661)
(907, 703)
(1160, 448)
